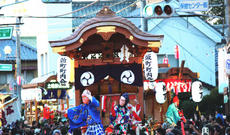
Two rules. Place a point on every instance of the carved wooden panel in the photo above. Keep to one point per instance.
(107, 52)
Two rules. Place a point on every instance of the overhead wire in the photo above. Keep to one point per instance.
(99, 10)
(71, 11)
(94, 12)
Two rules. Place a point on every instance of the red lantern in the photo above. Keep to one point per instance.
(165, 60)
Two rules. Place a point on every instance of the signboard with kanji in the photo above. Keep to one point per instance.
(56, 85)
(6, 32)
(6, 67)
(193, 5)
(63, 70)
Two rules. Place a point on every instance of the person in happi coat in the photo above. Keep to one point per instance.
(77, 119)
(172, 114)
(94, 125)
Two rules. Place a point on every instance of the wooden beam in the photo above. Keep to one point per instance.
(181, 69)
(98, 62)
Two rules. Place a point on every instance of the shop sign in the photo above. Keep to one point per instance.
(31, 94)
(63, 70)
(57, 85)
(6, 33)
(177, 85)
(150, 66)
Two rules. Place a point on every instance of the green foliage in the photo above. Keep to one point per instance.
(186, 104)
(212, 102)
(215, 11)
(208, 105)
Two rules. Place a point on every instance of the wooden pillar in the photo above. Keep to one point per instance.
(77, 97)
(153, 110)
(141, 101)
(36, 110)
(62, 105)
(77, 92)
(25, 110)
(67, 102)
(31, 111)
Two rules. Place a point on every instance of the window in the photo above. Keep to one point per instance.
(3, 78)
(46, 63)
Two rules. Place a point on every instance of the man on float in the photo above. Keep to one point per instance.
(119, 117)
(93, 118)
(86, 115)
(172, 114)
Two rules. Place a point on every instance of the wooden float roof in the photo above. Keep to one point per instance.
(106, 24)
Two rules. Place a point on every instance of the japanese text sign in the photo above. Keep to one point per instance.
(193, 5)
(150, 66)
(63, 67)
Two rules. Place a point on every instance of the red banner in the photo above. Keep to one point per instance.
(177, 85)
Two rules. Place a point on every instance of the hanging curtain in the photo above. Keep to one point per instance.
(125, 73)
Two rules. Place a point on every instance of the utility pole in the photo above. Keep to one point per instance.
(18, 60)
(227, 19)
(144, 26)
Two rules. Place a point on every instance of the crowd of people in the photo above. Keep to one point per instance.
(85, 119)
(44, 127)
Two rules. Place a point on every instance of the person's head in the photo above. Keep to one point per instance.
(85, 96)
(56, 132)
(227, 131)
(124, 99)
(176, 101)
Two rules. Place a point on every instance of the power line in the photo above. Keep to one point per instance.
(61, 15)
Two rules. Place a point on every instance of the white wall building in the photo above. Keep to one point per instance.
(40, 30)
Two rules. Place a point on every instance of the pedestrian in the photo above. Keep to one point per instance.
(57, 132)
(94, 125)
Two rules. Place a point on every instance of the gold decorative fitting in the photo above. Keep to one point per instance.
(131, 37)
(81, 40)
(106, 29)
(58, 49)
(154, 44)
(106, 12)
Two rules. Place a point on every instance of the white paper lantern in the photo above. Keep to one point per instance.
(197, 91)
(160, 92)
(63, 70)
(150, 66)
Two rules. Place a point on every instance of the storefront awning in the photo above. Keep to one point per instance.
(31, 94)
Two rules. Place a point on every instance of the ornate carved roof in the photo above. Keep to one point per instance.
(106, 23)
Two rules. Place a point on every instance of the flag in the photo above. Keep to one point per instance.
(177, 52)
